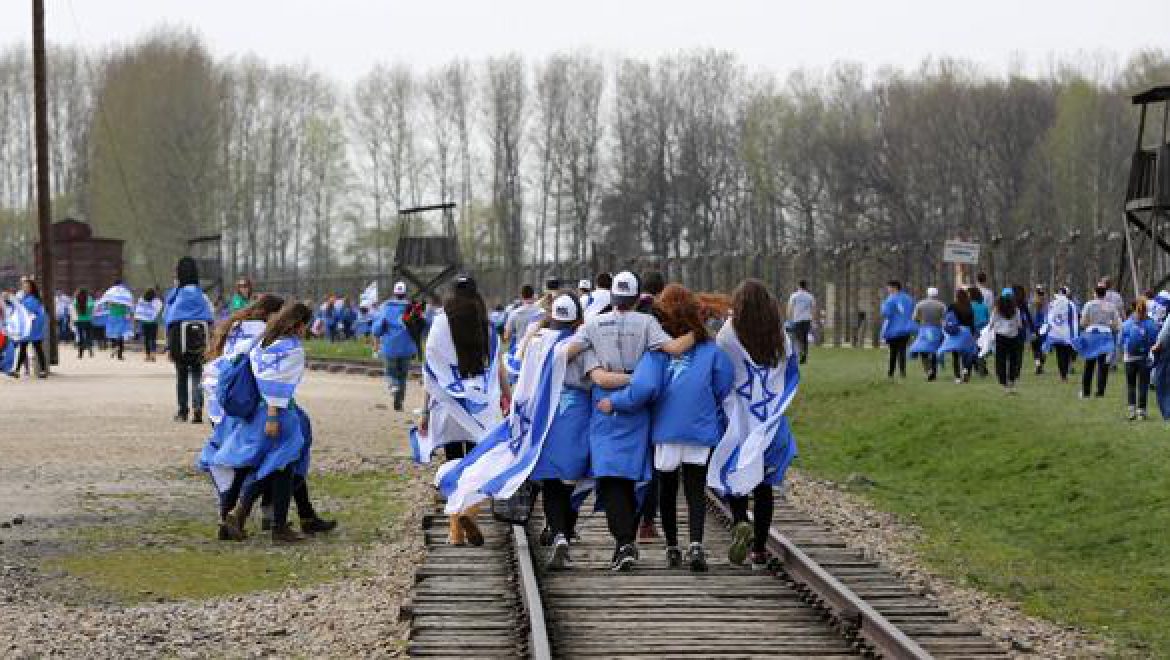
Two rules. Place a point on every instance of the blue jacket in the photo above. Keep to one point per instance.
(1138, 337)
(898, 312)
(187, 303)
(34, 306)
(687, 394)
(396, 340)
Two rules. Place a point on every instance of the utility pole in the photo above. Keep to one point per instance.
(44, 213)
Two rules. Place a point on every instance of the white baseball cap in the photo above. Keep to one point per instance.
(400, 288)
(564, 309)
(584, 284)
(932, 292)
(625, 285)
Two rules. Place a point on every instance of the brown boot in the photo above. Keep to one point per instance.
(234, 523)
(286, 534)
(455, 535)
(469, 527)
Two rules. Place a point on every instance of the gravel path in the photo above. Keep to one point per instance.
(890, 540)
(101, 428)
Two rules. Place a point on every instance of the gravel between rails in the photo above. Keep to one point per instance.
(891, 540)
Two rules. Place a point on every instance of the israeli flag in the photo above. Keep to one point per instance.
(240, 340)
(18, 321)
(279, 368)
(369, 297)
(1095, 341)
(146, 311)
(470, 404)
(1063, 326)
(118, 295)
(755, 409)
(502, 461)
(928, 341)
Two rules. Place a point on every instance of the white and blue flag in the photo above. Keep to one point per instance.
(118, 295)
(757, 444)
(18, 321)
(369, 298)
(502, 461)
(459, 408)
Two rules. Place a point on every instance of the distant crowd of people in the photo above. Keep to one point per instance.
(979, 324)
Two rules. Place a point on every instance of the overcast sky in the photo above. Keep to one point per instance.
(344, 38)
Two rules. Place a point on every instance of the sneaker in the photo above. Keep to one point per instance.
(624, 559)
(958, 381)
(646, 532)
(673, 557)
(546, 537)
(759, 560)
(1142, 414)
(1132, 414)
(222, 534)
(318, 526)
(181, 416)
(696, 558)
(197, 417)
(741, 538)
(558, 559)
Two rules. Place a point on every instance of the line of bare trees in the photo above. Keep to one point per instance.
(576, 157)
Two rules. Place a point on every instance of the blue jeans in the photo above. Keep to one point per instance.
(396, 370)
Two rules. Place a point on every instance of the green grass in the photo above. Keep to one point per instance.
(348, 350)
(1058, 503)
(174, 556)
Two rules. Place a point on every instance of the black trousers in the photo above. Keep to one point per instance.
(1008, 351)
(960, 362)
(898, 355)
(558, 506)
(1038, 351)
(22, 356)
(620, 500)
(762, 510)
(150, 338)
(1064, 358)
(279, 487)
(1098, 364)
(456, 450)
(188, 374)
(84, 337)
(649, 509)
(1137, 383)
(800, 332)
(694, 478)
(930, 365)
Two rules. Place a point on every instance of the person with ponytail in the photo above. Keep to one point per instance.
(83, 304)
(757, 446)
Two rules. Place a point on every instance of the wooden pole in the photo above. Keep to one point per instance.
(44, 212)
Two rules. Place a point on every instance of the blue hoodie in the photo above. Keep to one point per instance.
(898, 310)
(1138, 337)
(687, 394)
(34, 307)
(187, 303)
(396, 339)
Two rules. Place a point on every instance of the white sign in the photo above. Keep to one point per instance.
(958, 252)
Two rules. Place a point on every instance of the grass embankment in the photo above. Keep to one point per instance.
(175, 556)
(1057, 503)
(352, 349)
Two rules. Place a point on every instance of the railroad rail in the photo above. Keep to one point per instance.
(821, 599)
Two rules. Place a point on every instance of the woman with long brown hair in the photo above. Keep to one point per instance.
(685, 394)
(757, 447)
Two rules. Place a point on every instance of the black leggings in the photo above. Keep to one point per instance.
(1008, 351)
(1137, 383)
(762, 512)
(649, 509)
(150, 338)
(694, 478)
(279, 486)
(1100, 365)
(558, 506)
(22, 356)
(1064, 358)
(620, 500)
(84, 337)
(898, 355)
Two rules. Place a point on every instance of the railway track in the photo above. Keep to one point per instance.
(821, 600)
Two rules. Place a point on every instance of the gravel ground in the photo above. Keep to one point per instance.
(99, 428)
(886, 538)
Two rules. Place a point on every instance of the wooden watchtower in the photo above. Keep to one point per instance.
(1145, 254)
(424, 257)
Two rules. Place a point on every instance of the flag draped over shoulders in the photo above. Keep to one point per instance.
(18, 321)
(1062, 325)
(758, 445)
(502, 461)
(460, 409)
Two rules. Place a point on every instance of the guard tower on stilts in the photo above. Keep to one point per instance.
(425, 256)
(1145, 255)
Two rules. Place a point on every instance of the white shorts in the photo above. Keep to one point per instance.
(668, 457)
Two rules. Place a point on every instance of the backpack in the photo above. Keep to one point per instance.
(193, 337)
(236, 390)
(1137, 341)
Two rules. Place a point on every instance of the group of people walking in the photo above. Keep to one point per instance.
(1103, 332)
(579, 397)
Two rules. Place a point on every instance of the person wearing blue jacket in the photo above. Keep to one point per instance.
(396, 345)
(898, 325)
(188, 323)
(685, 395)
(36, 335)
(1138, 335)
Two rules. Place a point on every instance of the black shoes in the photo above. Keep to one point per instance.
(624, 558)
(673, 557)
(696, 558)
(181, 416)
(197, 417)
(318, 526)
